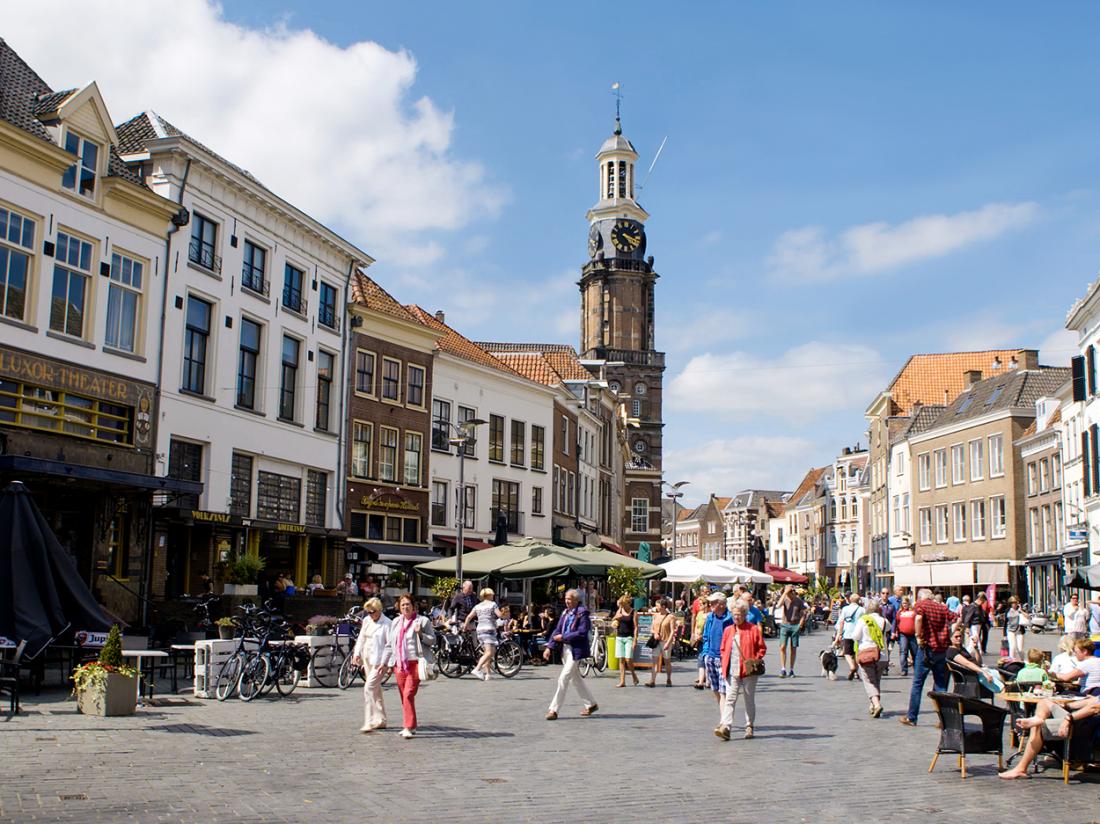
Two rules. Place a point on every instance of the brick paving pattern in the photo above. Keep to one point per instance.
(485, 750)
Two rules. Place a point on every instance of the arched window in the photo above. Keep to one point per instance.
(610, 179)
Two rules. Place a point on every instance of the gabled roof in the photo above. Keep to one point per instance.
(457, 344)
(722, 503)
(939, 378)
(755, 497)
(366, 292)
(1018, 388)
(807, 486)
(693, 514)
(548, 363)
(24, 96)
(774, 508)
(923, 418)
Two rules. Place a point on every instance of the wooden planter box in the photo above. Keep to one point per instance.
(117, 697)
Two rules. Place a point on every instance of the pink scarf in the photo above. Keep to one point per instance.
(402, 630)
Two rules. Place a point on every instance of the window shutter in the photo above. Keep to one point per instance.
(1085, 462)
(1077, 367)
(1090, 356)
(1094, 458)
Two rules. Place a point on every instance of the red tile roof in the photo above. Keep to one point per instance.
(367, 292)
(807, 485)
(548, 363)
(456, 343)
(939, 378)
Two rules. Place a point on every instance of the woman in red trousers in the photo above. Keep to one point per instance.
(410, 636)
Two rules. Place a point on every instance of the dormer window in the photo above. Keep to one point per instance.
(80, 177)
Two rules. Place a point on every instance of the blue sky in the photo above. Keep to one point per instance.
(844, 184)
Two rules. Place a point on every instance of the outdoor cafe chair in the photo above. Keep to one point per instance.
(960, 739)
(9, 678)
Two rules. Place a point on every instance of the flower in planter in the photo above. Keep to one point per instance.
(93, 675)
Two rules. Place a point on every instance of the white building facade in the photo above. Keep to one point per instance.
(252, 383)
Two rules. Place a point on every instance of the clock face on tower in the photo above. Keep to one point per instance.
(627, 235)
(595, 241)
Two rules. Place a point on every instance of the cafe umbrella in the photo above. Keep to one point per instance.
(41, 592)
(758, 560)
(1086, 578)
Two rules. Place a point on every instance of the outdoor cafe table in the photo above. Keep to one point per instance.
(139, 654)
(1032, 698)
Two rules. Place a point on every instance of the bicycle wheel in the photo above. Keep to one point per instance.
(348, 673)
(325, 665)
(599, 654)
(586, 668)
(229, 675)
(509, 659)
(388, 676)
(449, 665)
(272, 667)
(288, 675)
(253, 677)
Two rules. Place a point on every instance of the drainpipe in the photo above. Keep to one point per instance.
(180, 219)
(340, 486)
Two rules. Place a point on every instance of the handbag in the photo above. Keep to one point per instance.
(868, 654)
(753, 666)
(426, 667)
(652, 642)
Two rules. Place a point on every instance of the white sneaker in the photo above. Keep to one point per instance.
(407, 733)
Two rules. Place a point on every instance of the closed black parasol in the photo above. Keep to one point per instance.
(501, 536)
(41, 591)
(758, 559)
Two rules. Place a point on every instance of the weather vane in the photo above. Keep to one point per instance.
(617, 90)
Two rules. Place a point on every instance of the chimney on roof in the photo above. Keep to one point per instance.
(847, 451)
(973, 376)
(1013, 363)
(439, 316)
(1029, 358)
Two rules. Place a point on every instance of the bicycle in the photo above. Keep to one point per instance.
(230, 674)
(327, 662)
(597, 660)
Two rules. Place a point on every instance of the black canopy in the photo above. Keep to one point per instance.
(41, 591)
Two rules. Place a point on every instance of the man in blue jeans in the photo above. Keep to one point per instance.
(933, 632)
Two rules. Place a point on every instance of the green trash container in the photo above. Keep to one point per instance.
(612, 661)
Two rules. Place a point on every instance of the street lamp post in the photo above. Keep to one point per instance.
(465, 435)
(674, 495)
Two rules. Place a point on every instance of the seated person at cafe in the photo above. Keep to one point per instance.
(1087, 668)
(316, 584)
(1065, 660)
(1033, 674)
(1053, 722)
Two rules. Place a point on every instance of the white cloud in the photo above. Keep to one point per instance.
(1058, 347)
(797, 386)
(335, 130)
(696, 327)
(726, 466)
(809, 254)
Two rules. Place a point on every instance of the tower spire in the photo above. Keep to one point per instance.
(617, 90)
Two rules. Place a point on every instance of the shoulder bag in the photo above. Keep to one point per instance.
(426, 667)
(752, 666)
(868, 653)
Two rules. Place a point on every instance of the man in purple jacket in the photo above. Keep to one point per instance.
(571, 634)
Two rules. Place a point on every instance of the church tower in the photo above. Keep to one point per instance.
(617, 326)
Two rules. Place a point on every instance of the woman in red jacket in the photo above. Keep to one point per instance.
(742, 663)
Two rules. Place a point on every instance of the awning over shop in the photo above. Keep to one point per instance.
(611, 546)
(952, 574)
(395, 553)
(114, 477)
(467, 543)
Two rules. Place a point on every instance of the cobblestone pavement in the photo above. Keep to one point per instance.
(484, 749)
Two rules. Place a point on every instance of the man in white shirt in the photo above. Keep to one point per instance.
(1076, 618)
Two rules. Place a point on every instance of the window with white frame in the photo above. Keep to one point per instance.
(897, 511)
(1056, 470)
(905, 511)
(639, 515)
(364, 372)
(958, 518)
(440, 494)
(81, 176)
(72, 274)
(958, 464)
(1044, 475)
(942, 524)
(924, 471)
(941, 467)
(998, 517)
(924, 515)
(414, 443)
(361, 449)
(977, 459)
(1033, 538)
(1032, 478)
(387, 453)
(977, 520)
(16, 256)
(996, 455)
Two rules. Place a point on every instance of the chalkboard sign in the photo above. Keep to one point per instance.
(643, 655)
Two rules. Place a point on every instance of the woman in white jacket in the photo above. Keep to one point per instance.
(370, 653)
(409, 636)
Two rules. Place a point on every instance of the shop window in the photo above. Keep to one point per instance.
(278, 497)
(316, 497)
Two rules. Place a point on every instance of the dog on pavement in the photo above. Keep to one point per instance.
(828, 663)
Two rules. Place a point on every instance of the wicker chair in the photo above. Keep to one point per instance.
(9, 678)
(957, 738)
(965, 682)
